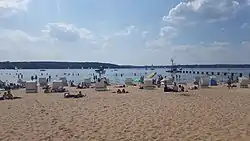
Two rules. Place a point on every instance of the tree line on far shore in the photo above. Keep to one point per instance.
(96, 65)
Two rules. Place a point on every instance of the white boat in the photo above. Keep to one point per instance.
(152, 67)
(174, 68)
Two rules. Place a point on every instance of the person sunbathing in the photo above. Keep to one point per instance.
(119, 86)
(193, 87)
(167, 89)
(175, 88)
(121, 91)
(140, 87)
(79, 95)
(8, 95)
(118, 91)
(47, 90)
(80, 86)
(182, 89)
(124, 91)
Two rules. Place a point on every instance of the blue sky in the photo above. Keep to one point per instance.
(126, 31)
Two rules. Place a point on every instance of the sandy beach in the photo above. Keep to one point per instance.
(141, 115)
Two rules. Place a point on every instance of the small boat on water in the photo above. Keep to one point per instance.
(152, 67)
(174, 68)
(100, 70)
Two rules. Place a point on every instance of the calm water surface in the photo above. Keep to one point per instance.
(114, 76)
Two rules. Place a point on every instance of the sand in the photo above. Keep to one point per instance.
(209, 114)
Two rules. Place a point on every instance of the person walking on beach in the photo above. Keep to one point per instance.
(229, 83)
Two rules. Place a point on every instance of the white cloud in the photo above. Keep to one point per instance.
(168, 32)
(67, 32)
(190, 21)
(131, 45)
(157, 51)
(196, 11)
(129, 30)
(217, 54)
(18, 45)
(144, 34)
(60, 41)
(18, 36)
(10, 7)
(163, 40)
(210, 53)
(245, 25)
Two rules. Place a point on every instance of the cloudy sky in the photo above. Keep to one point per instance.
(126, 31)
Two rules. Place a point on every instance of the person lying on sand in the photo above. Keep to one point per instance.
(174, 89)
(47, 89)
(59, 90)
(123, 91)
(8, 95)
(81, 86)
(119, 91)
(140, 87)
(167, 89)
(182, 89)
(79, 95)
(230, 85)
(193, 87)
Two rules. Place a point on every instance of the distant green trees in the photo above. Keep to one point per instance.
(95, 65)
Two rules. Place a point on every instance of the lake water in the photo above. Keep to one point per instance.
(115, 76)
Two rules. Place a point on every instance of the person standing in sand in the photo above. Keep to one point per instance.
(229, 83)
